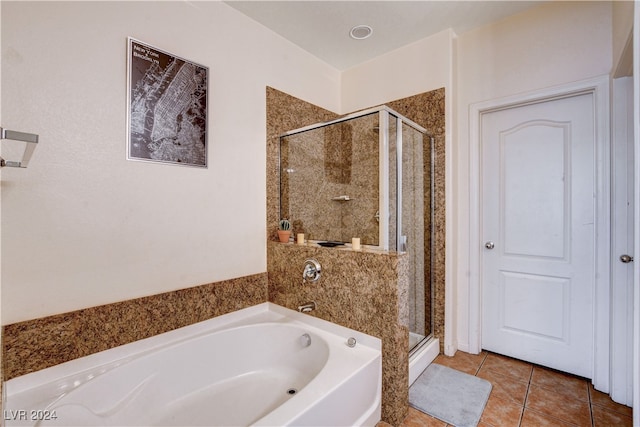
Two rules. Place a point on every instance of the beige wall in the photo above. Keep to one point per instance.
(418, 67)
(622, 34)
(82, 226)
(546, 46)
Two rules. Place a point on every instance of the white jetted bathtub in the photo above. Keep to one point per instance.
(265, 365)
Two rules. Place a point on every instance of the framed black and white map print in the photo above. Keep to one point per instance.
(167, 107)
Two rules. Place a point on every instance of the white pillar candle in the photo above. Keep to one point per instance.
(301, 238)
(355, 243)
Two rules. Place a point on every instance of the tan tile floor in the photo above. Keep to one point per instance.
(527, 395)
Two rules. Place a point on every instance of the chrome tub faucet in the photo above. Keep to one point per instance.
(307, 308)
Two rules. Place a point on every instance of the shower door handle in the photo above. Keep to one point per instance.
(489, 245)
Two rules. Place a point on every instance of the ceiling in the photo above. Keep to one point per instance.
(322, 27)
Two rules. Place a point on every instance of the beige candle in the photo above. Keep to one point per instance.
(301, 238)
(355, 243)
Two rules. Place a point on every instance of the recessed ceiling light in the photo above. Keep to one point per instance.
(361, 32)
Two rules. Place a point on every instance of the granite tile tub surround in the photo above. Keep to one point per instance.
(366, 291)
(40, 343)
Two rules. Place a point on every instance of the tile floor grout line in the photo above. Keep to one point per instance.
(481, 363)
(606, 408)
(484, 359)
(593, 421)
(571, 423)
(526, 396)
(521, 416)
(476, 375)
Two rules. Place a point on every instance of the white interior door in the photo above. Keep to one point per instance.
(538, 226)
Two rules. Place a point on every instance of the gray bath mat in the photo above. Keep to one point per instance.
(449, 395)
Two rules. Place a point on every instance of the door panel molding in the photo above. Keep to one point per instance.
(513, 237)
(599, 88)
(554, 324)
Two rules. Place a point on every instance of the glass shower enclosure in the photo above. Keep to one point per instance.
(366, 175)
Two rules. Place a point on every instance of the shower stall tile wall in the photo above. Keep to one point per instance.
(40, 343)
(284, 112)
(329, 183)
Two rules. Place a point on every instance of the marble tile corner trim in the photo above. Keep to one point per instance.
(40, 343)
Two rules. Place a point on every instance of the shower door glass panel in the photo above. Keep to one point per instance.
(394, 181)
(415, 237)
(329, 181)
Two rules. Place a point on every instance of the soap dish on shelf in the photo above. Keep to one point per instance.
(330, 244)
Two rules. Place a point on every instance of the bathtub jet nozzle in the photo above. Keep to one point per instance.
(305, 340)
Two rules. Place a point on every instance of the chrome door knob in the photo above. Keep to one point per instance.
(489, 245)
(626, 258)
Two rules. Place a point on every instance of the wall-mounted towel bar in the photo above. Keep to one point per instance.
(30, 138)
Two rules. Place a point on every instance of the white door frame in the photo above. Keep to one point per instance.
(621, 389)
(599, 87)
(636, 214)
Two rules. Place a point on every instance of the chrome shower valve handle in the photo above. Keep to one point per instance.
(312, 271)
